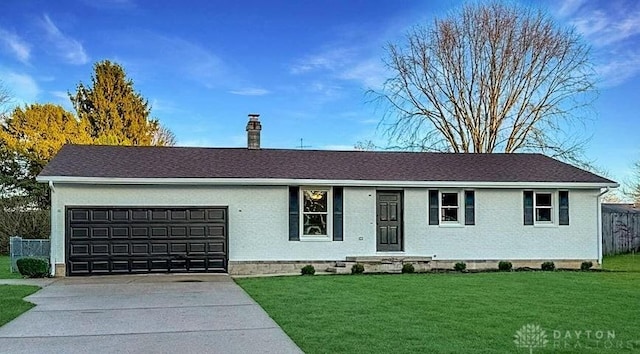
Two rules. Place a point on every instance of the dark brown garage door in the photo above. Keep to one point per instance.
(121, 240)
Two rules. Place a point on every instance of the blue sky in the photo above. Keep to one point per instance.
(304, 66)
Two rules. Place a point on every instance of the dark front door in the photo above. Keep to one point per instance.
(121, 240)
(389, 220)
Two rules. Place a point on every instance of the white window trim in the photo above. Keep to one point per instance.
(459, 222)
(329, 235)
(554, 206)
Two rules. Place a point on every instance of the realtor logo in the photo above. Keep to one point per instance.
(531, 336)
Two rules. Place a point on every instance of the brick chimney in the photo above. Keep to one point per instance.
(253, 132)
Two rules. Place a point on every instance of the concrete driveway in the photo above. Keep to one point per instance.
(144, 314)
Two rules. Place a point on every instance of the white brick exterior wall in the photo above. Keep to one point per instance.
(258, 223)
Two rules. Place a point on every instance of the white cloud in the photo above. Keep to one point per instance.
(15, 45)
(370, 73)
(188, 59)
(619, 70)
(62, 98)
(250, 91)
(612, 28)
(70, 49)
(343, 64)
(568, 7)
(22, 87)
(331, 60)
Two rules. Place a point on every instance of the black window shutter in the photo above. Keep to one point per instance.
(469, 208)
(563, 208)
(294, 214)
(433, 207)
(337, 213)
(528, 208)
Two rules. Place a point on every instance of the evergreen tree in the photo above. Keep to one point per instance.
(115, 112)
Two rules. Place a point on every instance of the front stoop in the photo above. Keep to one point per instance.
(381, 264)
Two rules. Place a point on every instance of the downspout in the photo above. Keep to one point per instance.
(52, 265)
(599, 218)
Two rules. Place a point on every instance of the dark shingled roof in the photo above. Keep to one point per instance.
(187, 162)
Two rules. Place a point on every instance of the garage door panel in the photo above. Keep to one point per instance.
(217, 215)
(140, 215)
(120, 232)
(100, 232)
(120, 249)
(216, 230)
(119, 215)
(100, 249)
(79, 250)
(79, 267)
(114, 240)
(178, 231)
(178, 215)
(178, 248)
(140, 249)
(100, 267)
(160, 249)
(159, 231)
(80, 233)
(197, 248)
(120, 266)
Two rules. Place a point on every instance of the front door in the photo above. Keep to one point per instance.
(389, 220)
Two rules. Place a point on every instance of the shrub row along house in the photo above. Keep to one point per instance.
(252, 210)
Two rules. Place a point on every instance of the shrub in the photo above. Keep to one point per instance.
(33, 267)
(586, 265)
(460, 266)
(548, 266)
(357, 269)
(408, 268)
(308, 270)
(505, 266)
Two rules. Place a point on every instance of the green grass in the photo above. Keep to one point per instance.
(11, 303)
(451, 313)
(622, 262)
(5, 269)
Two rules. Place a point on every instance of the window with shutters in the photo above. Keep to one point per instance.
(451, 207)
(546, 208)
(316, 212)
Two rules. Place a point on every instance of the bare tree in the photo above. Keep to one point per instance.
(5, 101)
(163, 137)
(489, 78)
(635, 185)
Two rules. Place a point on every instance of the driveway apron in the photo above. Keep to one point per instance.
(144, 314)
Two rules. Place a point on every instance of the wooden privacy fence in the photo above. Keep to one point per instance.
(32, 248)
(620, 229)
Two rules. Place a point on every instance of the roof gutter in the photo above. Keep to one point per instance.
(319, 182)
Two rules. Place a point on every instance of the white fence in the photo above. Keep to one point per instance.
(23, 248)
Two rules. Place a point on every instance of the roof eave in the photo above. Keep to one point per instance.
(319, 182)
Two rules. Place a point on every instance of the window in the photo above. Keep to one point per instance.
(543, 207)
(315, 212)
(445, 207)
(546, 208)
(449, 207)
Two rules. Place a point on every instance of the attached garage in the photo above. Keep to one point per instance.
(123, 240)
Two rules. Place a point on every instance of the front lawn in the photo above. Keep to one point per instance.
(455, 313)
(5, 269)
(11, 303)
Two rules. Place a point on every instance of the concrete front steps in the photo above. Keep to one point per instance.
(381, 264)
